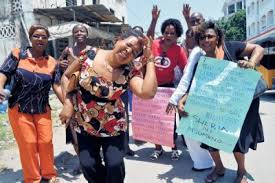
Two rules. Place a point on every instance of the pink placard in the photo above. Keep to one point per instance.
(150, 122)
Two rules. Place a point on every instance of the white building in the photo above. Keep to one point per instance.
(260, 27)
(16, 16)
(232, 6)
(259, 19)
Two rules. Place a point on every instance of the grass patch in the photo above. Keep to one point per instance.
(6, 135)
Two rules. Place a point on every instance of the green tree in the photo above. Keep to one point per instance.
(234, 27)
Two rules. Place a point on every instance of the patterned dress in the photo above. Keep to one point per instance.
(100, 110)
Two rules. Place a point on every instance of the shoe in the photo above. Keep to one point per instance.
(241, 177)
(130, 152)
(156, 154)
(54, 180)
(175, 155)
(201, 169)
(214, 176)
(77, 171)
(139, 142)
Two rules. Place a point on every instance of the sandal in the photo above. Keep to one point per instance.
(156, 154)
(54, 180)
(175, 155)
(214, 176)
(241, 177)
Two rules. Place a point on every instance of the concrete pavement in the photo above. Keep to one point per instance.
(140, 169)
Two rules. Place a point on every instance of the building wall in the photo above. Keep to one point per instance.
(259, 16)
(13, 21)
(10, 27)
(119, 7)
(232, 6)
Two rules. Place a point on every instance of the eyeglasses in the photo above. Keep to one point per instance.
(209, 37)
(196, 20)
(36, 36)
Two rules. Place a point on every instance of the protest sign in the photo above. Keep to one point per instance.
(218, 101)
(150, 122)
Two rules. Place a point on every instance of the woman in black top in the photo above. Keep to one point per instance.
(210, 39)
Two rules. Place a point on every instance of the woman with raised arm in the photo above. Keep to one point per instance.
(168, 55)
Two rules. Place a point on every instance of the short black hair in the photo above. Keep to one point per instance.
(138, 28)
(209, 25)
(175, 23)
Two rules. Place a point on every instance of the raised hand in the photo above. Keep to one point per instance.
(147, 46)
(155, 12)
(186, 10)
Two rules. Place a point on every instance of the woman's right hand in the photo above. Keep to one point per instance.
(66, 113)
(186, 10)
(155, 12)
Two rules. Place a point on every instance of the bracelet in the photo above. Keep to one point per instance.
(151, 59)
(255, 65)
(81, 59)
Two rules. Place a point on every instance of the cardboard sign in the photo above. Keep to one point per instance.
(220, 96)
(150, 122)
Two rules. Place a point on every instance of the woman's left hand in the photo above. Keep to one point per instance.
(66, 113)
(246, 64)
(170, 108)
(147, 42)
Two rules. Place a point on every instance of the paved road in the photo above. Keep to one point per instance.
(140, 169)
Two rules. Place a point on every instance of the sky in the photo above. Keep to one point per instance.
(139, 11)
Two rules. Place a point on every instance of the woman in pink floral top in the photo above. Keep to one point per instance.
(99, 110)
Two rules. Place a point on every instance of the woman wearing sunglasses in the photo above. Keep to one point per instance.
(210, 39)
(29, 113)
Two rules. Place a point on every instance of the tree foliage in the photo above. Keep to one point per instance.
(234, 27)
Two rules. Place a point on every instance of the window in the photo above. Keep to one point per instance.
(112, 11)
(270, 18)
(239, 5)
(252, 7)
(258, 27)
(248, 31)
(71, 2)
(257, 7)
(263, 22)
(95, 1)
(231, 9)
(61, 44)
(253, 28)
(248, 10)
